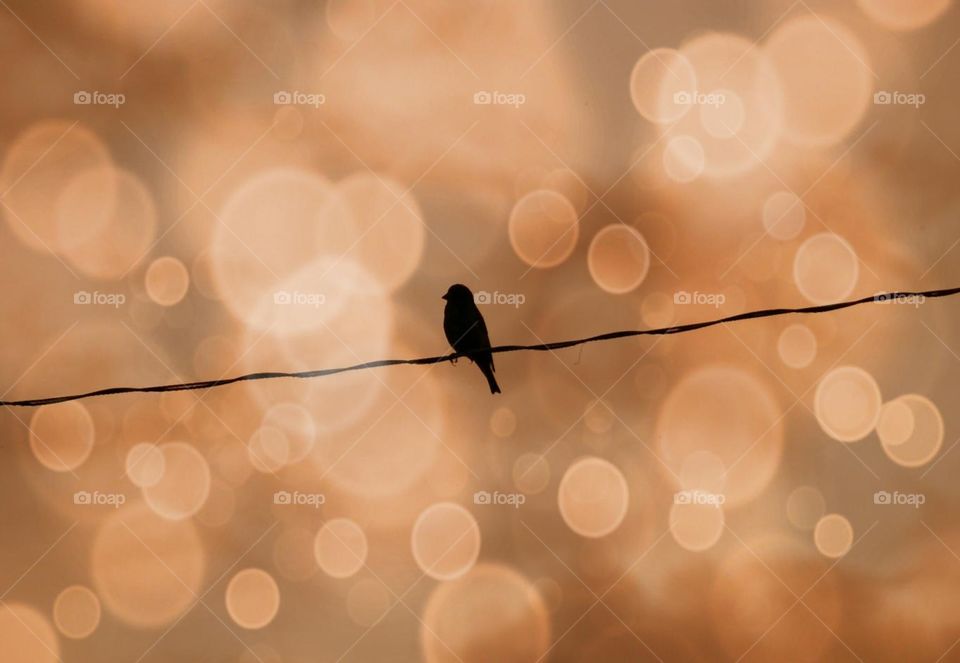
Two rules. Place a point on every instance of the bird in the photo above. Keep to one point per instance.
(467, 332)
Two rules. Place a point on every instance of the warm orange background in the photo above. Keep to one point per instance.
(199, 189)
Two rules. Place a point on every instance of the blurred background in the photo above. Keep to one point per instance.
(196, 189)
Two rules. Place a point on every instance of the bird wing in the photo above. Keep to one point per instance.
(484, 338)
(465, 329)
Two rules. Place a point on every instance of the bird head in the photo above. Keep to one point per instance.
(458, 293)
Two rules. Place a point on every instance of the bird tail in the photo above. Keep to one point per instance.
(492, 381)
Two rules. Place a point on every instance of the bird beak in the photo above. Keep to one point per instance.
(444, 297)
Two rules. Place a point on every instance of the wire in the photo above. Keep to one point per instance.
(542, 347)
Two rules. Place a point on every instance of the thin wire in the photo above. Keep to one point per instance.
(541, 347)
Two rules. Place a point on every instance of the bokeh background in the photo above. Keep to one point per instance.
(196, 189)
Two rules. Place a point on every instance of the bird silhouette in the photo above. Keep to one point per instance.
(467, 332)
